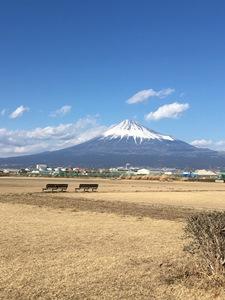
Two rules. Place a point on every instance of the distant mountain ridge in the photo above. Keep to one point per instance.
(126, 142)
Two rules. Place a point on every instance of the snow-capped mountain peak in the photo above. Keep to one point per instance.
(131, 129)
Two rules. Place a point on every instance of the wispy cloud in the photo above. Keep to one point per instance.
(204, 143)
(62, 111)
(3, 112)
(170, 111)
(20, 142)
(144, 95)
(18, 112)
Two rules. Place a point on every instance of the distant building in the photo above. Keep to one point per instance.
(188, 175)
(205, 173)
(41, 167)
(169, 173)
(143, 172)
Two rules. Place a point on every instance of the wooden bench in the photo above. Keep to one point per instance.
(55, 187)
(86, 187)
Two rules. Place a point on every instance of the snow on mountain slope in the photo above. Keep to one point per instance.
(125, 142)
(131, 129)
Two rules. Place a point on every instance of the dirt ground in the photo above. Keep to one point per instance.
(31, 184)
(123, 242)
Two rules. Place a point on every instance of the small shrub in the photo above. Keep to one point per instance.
(206, 234)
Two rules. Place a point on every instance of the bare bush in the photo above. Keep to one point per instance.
(206, 234)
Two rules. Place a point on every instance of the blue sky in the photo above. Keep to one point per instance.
(75, 64)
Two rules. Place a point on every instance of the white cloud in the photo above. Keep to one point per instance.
(19, 112)
(20, 142)
(221, 143)
(172, 111)
(215, 145)
(144, 95)
(202, 143)
(64, 110)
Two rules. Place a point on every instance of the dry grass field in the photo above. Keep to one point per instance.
(123, 242)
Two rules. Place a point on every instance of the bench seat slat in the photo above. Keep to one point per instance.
(55, 187)
(87, 186)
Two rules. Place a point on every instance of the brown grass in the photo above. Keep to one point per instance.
(116, 207)
(84, 247)
(184, 274)
(26, 184)
(58, 254)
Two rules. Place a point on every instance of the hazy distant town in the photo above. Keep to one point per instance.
(124, 172)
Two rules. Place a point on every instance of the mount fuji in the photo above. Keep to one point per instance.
(126, 142)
